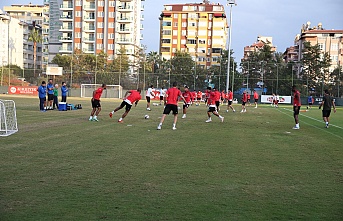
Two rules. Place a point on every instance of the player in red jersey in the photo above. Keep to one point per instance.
(248, 98)
(199, 97)
(96, 103)
(128, 101)
(229, 100)
(217, 98)
(207, 94)
(194, 94)
(222, 96)
(244, 101)
(211, 102)
(171, 100)
(296, 106)
(188, 97)
(255, 98)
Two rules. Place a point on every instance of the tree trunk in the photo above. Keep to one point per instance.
(34, 58)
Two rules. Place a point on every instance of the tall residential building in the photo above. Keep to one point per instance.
(255, 47)
(30, 16)
(330, 41)
(11, 41)
(199, 29)
(101, 25)
(52, 36)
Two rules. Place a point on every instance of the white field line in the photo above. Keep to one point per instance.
(325, 130)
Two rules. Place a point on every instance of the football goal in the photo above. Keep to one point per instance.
(112, 91)
(8, 118)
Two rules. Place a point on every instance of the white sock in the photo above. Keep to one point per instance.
(297, 125)
(174, 125)
(90, 117)
(112, 112)
(120, 119)
(220, 116)
(95, 117)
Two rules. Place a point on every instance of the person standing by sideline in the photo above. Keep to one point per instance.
(229, 101)
(309, 102)
(50, 88)
(42, 96)
(96, 107)
(171, 100)
(255, 98)
(150, 94)
(128, 101)
(327, 104)
(296, 106)
(55, 97)
(64, 91)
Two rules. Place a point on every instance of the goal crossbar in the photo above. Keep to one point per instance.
(112, 91)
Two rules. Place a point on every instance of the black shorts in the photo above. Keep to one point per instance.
(229, 102)
(256, 100)
(147, 99)
(95, 103)
(296, 110)
(211, 109)
(243, 103)
(199, 98)
(50, 97)
(161, 98)
(326, 113)
(170, 107)
(185, 106)
(128, 106)
(217, 103)
(310, 103)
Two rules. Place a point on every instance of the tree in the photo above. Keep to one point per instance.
(315, 67)
(153, 59)
(182, 68)
(35, 37)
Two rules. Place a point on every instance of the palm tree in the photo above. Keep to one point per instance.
(35, 37)
(153, 58)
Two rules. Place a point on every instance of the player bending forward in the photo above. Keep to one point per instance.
(171, 99)
(188, 97)
(96, 103)
(212, 108)
(134, 97)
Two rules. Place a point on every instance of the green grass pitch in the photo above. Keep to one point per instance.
(253, 166)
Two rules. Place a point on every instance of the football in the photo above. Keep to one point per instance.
(146, 116)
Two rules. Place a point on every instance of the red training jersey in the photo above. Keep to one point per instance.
(207, 93)
(188, 96)
(211, 101)
(199, 94)
(245, 97)
(230, 96)
(98, 93)
(248, 96)
(255, 95)
(296, 99)
(172, 95)
(217, 96)
(134, 96)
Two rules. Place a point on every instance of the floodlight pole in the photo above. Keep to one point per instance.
(229, 3)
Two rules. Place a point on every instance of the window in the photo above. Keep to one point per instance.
(175, 24)
(174, 41)
(184, 24)
(184, 16)
(111, 25)
(209, 33)
(111, 3)
(167, 41)
(176, 15)
(321, 46)
(334, 58)
(192, 24)
(183, 41)
(111, 36)
(175, 32)
(77, 14)
(166, 32)
(183, 32)
(202, 41)
(78, 24)
(100, 14)
(111, 14)
(215, 59)
(101, 3)
(100, 46)
(191, 41)
(209, 42)
(100, 24)
(201, 8)
(78, 45)
(334, 47)
(110, 46)
(100, 35)
(78, 3)
(77, 34)
(166, 23)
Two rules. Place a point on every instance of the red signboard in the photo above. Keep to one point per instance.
(25, 90)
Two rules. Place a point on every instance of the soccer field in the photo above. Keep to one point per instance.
(253, 166)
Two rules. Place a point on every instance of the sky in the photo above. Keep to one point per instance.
(282, 20)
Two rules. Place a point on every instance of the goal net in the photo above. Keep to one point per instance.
(8, 118)
(112, 91)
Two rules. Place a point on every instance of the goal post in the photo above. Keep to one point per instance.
(112, 91)
(8, 118)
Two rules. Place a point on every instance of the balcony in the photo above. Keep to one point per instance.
(66, 17)
(66, 49)
(46, 21)
(125, 8)
(124, 41)
(46, 2)
(124, 19)
(88, 50)
(89, 39)
(124, 30)
(65, 39)
(89, 7)
(66, 7)
(89, 28)
(89, 18)
(65, 28)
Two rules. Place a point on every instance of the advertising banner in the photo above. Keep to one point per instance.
(24, 90)
(269, 99)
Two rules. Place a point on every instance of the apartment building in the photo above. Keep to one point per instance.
(11, 41)
(330, 41)
(258, 45)
(101, 25)
(199, 29)
(30, 16)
